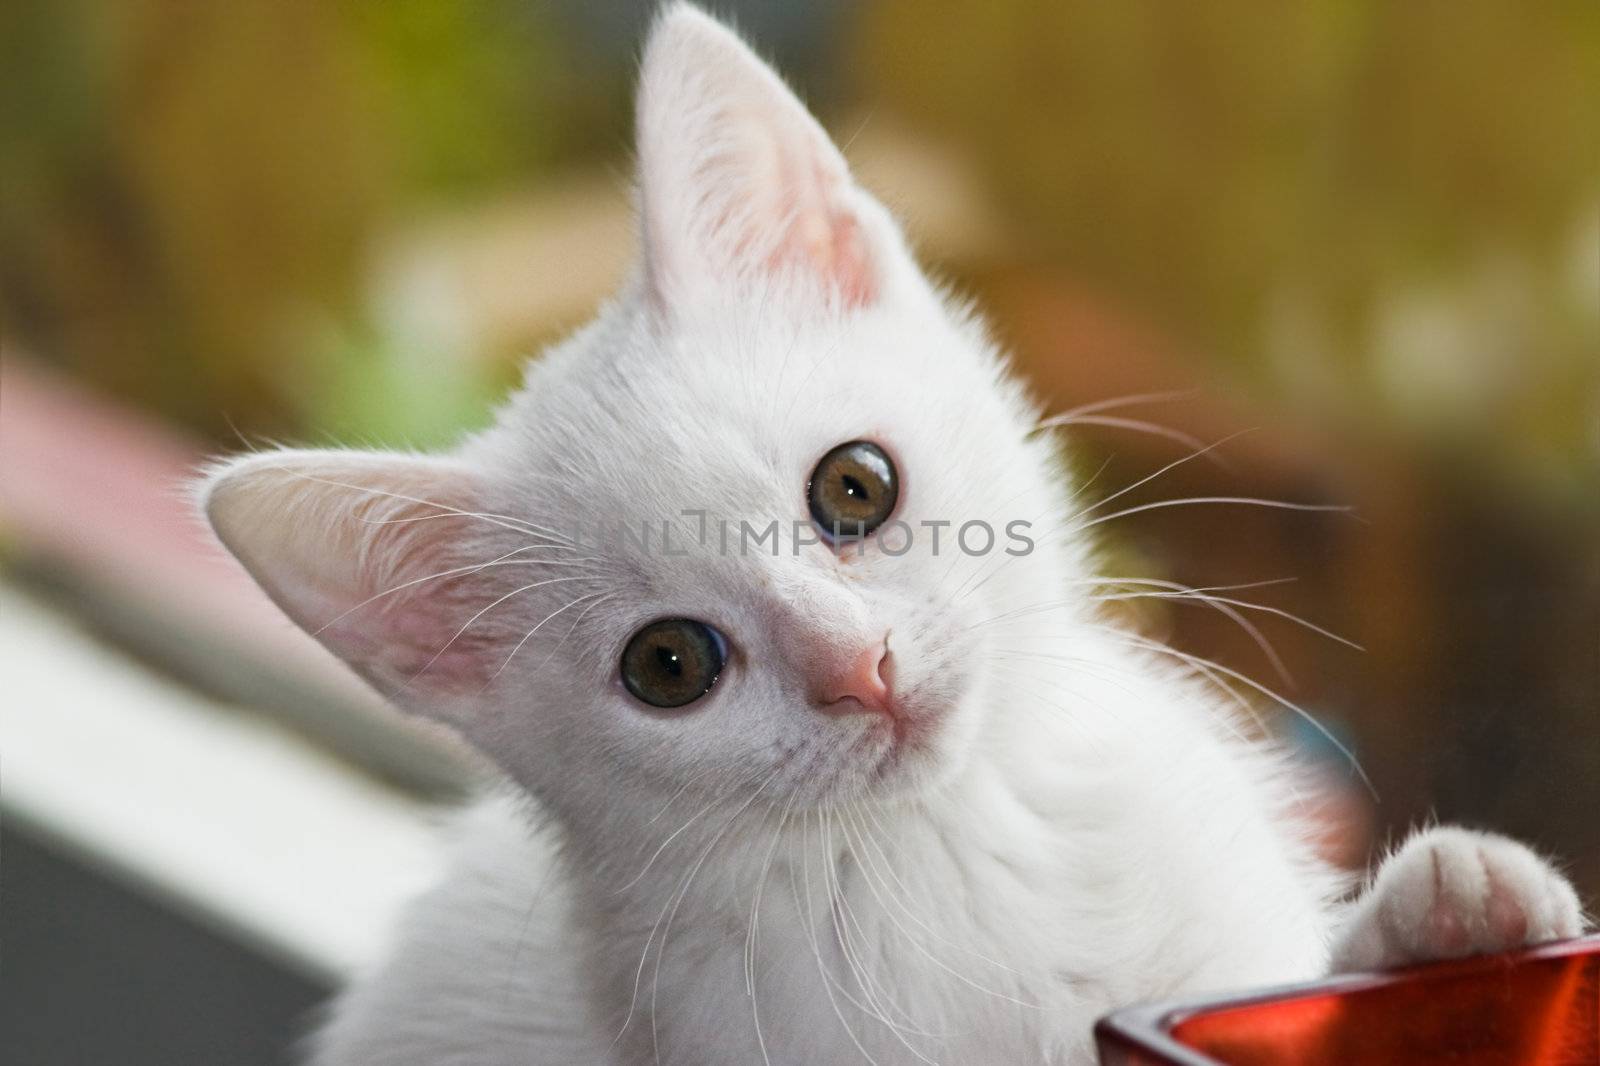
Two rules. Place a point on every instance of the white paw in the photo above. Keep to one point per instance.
(1451, 892)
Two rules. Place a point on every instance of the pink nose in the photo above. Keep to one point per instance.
(864, 684)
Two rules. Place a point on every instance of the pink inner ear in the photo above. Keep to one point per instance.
(830, 243)
(413, 640)
(824, 236)
(407, 647)
(427, 650)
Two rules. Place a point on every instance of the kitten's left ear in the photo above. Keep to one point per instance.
(737, 180)
(378, 557)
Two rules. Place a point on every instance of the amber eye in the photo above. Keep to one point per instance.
(673, 662)
(853, 490)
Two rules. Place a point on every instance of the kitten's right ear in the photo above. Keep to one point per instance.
(373, 554)
(737, 181)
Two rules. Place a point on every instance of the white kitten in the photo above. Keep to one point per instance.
(843, 803)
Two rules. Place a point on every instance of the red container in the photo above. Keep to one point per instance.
(1539, 1007)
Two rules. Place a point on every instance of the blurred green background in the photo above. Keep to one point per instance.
(1368, 232)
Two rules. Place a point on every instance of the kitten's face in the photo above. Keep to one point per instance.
(512, 591)
(850, 668)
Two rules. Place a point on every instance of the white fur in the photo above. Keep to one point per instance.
(750, 880)
(1450, 892)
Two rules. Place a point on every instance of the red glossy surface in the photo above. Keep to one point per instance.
(1537, 1008)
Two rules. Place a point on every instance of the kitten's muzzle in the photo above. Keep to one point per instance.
(863, 684)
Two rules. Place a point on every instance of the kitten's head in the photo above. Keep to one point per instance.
(523, 589)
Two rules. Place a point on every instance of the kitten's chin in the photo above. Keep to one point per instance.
(903, 756)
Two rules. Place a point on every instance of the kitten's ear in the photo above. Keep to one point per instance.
(346, 543)
(737, 179)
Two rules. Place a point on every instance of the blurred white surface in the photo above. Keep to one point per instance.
(216, 811)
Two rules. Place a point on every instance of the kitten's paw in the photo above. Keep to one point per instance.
(1451, 892)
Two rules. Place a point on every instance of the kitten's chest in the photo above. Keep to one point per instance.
(993, 929)
(900, 956)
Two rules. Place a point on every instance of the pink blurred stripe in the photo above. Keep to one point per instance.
(103, 490)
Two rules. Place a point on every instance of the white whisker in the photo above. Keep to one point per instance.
(1115, 402)
(1190, 501)
(529, 634)
(503, 560)
(828, 983)
(1282, 701)
(469, 623)
(503, 521)
(666, 930)
(644, 954)
(1208, 449)
(1154, 429)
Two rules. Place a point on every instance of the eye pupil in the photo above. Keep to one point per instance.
(852, 490)
(673, 662)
